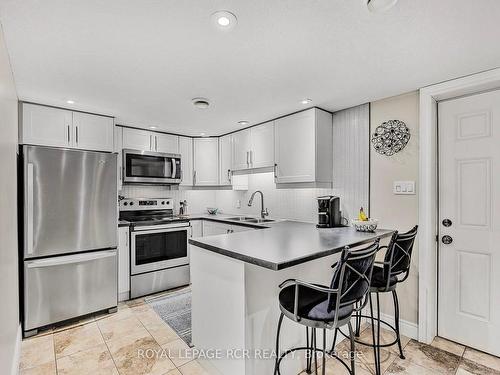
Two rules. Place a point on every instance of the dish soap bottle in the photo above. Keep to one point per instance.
(362, 216)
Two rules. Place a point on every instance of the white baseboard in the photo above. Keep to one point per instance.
(406, 328)
(17, 351)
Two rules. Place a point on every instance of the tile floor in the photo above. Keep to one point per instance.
(112, 344)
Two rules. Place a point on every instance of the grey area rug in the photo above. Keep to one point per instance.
(175, 309)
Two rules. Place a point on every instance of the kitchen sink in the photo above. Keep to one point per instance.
(246, 219)
(240, 218)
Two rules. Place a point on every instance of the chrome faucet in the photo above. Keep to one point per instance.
(263, 212)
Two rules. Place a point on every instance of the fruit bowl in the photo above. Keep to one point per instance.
(365, 225)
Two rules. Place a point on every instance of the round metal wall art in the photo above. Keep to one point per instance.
(390, 137)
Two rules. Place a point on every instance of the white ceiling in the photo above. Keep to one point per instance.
(144, 60)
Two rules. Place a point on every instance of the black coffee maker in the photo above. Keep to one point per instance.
(329, 215)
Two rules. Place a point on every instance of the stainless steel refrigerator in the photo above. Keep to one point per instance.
(70, 234)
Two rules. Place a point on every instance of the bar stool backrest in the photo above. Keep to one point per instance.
(398, 256)
(353, 273)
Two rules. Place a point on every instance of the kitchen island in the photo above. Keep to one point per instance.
(235, 280)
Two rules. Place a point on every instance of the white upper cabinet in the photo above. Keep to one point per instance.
(262, 145)
(303, 149)
(186, 151)
(206, 161)
(137, 139)
(241, 148)
(225, 160)
(48, 126)
(166, 143)
(93, 132)
(254, 147)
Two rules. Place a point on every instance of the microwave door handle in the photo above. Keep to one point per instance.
(29, 209)
(174, 168)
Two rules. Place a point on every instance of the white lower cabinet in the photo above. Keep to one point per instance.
(196, 228)
(123, 264)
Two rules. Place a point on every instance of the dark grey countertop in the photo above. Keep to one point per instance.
(285, 244)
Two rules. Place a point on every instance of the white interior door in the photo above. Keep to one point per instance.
(469, 188)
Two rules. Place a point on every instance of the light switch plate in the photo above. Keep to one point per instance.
(404, 188)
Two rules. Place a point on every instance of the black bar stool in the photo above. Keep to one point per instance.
(320, 307)
(393, 270)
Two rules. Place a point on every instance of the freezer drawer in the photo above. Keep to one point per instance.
(66, 287)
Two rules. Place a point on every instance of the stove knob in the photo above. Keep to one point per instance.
(125, 203)
(131, 203)
(162, 202)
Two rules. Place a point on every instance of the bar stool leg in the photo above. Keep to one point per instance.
(332, 351)
(308, 352)
(358, 320)
(323, 370)
(315, 353)
(276, 367)
(375, 352)
(396, 319)
(353, 349)
(378, 333)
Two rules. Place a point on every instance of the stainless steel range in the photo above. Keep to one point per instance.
(159, 250)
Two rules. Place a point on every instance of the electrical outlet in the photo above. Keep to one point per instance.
(404, 188)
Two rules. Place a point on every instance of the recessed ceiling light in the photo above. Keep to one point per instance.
(70, 101)
(153, 127)
(376, 6)
(201, 103)
(224, 20)
(306, 101)
(202, 134)
(243, 123)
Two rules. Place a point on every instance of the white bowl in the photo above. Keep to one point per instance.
(365, 226)
(212, 210)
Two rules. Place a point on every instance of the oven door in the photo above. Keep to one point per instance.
(156, 248)
(146, 167)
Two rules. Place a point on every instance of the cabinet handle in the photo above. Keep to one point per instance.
(275, 170)
(68, 134)
(156, 143)
(194, 178)
(76, 128)
(229, 175)
(150, 143)
(251, 157)
(247, 159)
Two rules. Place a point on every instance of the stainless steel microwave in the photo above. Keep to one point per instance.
(152, 168)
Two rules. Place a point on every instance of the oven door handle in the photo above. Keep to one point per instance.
(156, 229)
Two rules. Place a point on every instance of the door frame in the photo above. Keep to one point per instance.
(428, 187)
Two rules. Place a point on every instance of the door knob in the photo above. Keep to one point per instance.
(447, 222)
(446, 240)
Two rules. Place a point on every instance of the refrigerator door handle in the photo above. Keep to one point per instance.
(29, 209)
(70, 259)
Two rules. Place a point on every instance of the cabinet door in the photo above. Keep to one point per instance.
(167, 143)
(241, 150)
(186, 151)
(46, 126)
(262, 151)
(294, 148)
(211, 228)
(196, 228)
(206, 165)
(225, 160)
(240, 228)
(93, 132)
(123, 263)
(137, 139)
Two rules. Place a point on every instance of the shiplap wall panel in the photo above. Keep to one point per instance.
(351, 157)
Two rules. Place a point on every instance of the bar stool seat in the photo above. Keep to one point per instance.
(312, 305)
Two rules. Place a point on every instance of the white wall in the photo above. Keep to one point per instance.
(397, 211)
(9, 312)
